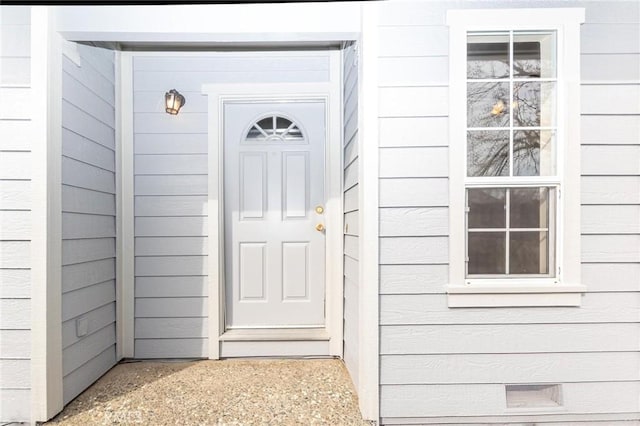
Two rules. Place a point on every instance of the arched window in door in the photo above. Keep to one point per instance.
(274, 128)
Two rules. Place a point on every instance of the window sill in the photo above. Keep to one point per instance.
(533, 294)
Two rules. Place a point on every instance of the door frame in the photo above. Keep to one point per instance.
(328, 92)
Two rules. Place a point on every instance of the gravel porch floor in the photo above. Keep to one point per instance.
(229, 392)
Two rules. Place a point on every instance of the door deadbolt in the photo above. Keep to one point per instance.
(319, 209)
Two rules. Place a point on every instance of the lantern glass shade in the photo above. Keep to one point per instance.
(173, 101)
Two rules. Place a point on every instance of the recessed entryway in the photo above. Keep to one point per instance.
(275, 257)
(177, 181)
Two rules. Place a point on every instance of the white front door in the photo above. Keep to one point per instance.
(274, 198)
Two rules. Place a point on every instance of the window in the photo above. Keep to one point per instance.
(274, 128)
(511, 117)
(514, 157)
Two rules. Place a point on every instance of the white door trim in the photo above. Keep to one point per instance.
(330, 93)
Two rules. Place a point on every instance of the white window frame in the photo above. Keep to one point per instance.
(565, 289)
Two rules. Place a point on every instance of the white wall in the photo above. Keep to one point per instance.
(15, 214)
(88, 217)
(170, 172)
(440, 364)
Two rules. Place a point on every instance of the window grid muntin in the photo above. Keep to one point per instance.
(551, 182)
(511, 80)
(272, 133)
(551, 230)
(510, 106)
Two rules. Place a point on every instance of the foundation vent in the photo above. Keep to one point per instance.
(534, 396)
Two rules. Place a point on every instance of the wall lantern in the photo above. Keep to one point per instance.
(173, 101)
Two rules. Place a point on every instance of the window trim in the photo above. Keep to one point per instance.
(566, 289)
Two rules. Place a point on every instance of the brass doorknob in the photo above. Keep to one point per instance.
(320, 227)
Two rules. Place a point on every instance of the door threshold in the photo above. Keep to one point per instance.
(275, 334)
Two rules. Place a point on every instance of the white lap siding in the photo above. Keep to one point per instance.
(350, 205)
(15, 214)
(171, 187)
(441, 365)
(88, 218)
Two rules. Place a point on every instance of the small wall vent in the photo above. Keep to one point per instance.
(534, 396)
(82, 326)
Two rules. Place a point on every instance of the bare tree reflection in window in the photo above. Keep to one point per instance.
(526, 153)
(487, 104)
(511, 109)
(488, 56)
(488, 153)
(526, 59)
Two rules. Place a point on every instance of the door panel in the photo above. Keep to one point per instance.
(252, 264)
(295, 267)
(273, 180)
(253, 185)
(295, 184)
